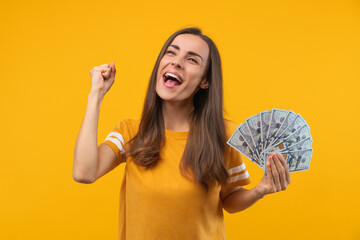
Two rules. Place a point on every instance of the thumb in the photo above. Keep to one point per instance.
(112, 69)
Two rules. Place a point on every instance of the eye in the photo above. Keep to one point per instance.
(193, 60)
(169, 51)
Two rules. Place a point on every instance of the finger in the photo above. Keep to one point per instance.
(286, 167)
(280, 169)
(106, 74)
(269, 176)
(106, 65)
(269, 156)
(113, 69)
(275, 175)
(105, 69)
(101, 69)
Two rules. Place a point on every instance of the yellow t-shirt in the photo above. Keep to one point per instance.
(160, 203)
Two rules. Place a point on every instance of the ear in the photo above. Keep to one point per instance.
(204, 84)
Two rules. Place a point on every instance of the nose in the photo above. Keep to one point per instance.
(176, 64)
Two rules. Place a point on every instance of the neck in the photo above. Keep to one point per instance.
(177, 115)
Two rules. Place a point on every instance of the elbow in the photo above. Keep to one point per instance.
(227, 208)
(80, 179)
(230, 207)
(230, 211)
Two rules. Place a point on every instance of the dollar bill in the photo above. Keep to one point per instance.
(278, 116)
(297, 123)
(302, 145)
(238, 142)
(299, 160)
(289, 119)
(296, 160)
(264, 125)
(255, 131)
(294, 138)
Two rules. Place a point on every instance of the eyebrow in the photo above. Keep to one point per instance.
(189, 52)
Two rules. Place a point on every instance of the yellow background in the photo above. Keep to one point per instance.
(298, 55)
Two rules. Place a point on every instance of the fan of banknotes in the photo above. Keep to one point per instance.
(277, 131)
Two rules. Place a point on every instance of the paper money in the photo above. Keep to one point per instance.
(277, 118)
(264, 125)
(302, 145)
(253, 124)
(279, 131)
(297, 123)
(238, 142)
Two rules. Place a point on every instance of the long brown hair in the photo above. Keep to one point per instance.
(203, 157)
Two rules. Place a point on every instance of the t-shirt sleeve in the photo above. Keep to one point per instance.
(118, 136)
(236, 168)
(238, 174)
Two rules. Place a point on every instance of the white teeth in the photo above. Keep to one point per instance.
(173, 75)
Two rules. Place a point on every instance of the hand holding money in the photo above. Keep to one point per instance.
(277, 176)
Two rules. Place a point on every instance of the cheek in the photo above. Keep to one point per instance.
(162, 64)
(195, 77)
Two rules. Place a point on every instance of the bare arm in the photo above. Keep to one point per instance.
(91, 161)
(86, 149)
(241, 199)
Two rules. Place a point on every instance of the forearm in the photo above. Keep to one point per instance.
(241, 199)
(86, 149)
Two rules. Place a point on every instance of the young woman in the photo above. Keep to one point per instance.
(180, 174)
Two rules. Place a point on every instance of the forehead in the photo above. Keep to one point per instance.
(190, 42)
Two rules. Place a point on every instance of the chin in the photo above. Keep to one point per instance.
(165, 97)
(170, 95)
(163, 93)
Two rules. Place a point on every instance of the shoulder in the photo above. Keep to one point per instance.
(130, 123)
(127, 128)
(230, 127)
(127, 124)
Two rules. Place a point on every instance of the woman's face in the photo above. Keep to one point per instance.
(181, 70)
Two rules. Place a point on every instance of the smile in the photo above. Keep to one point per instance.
(171, 80)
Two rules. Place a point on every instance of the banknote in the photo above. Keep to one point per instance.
(277, 118)
(280, 131)
(264, 125)
(245, 132)
(297, 123)
(302, 145)
(297, 160)
(238, 142)
(255, 131)
(289, 118)
(292, 139)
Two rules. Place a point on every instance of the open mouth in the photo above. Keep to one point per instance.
(171, 80)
